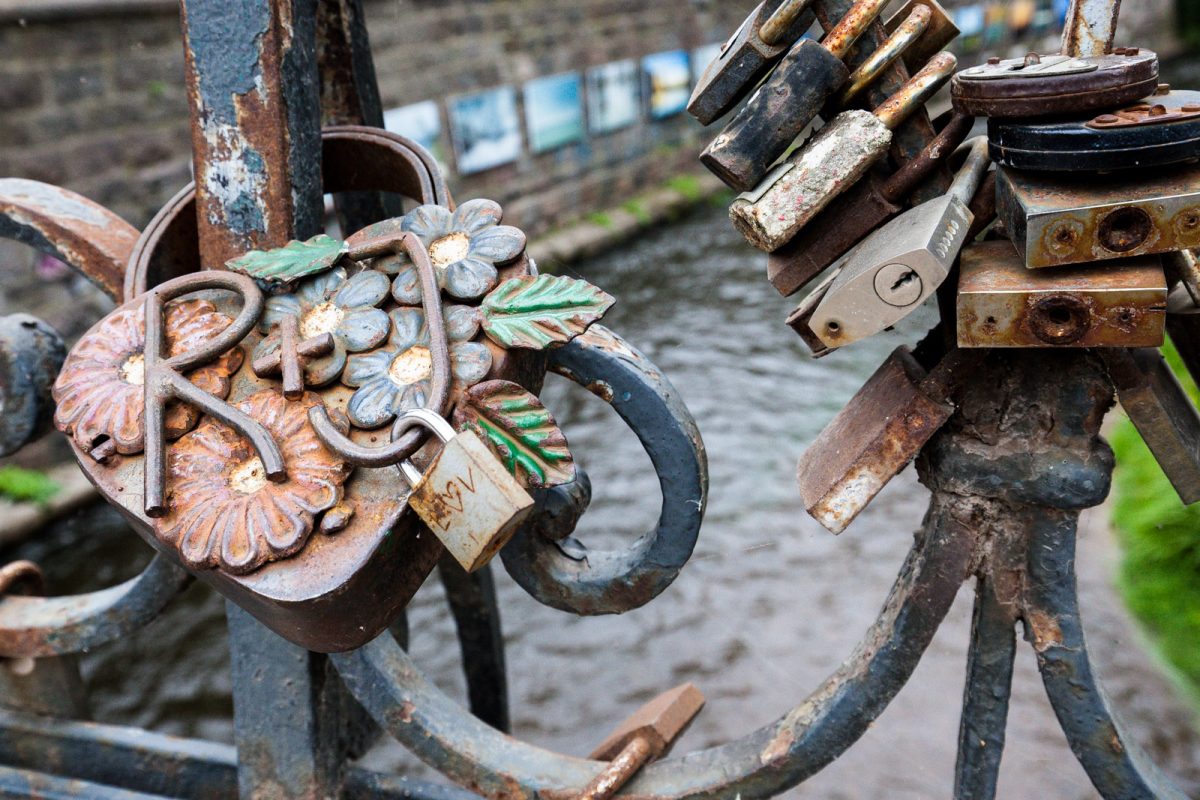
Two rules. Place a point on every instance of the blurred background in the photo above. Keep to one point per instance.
(571, 115)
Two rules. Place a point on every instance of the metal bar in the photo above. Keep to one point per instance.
(986, 696)
(350, 96)
(19, 783)
(284, 713)
(1091, 27)
(472, 599)
(158, 765)
(1113, 760)
(761, 764)
(69, 227)
(255, 107)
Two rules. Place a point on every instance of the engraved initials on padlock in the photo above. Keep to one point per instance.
(466, 496)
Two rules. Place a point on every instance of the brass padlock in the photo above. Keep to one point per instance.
(466, 496)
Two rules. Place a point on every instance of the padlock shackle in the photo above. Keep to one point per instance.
(424, 418)
(913, 95)
(973, 170)
(842, 37)
(905, 34)
(777, 25)
(1090, 27)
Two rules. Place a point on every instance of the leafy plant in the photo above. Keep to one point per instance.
(1159, 576)
(26, 485)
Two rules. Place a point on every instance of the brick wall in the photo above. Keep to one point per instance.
(94, 101)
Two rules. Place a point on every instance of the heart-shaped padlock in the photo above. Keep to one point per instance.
(240, 419)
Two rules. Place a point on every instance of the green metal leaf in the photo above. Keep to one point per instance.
(537, 312)
(287, 264)
(519, 430)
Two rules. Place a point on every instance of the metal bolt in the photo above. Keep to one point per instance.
(1032, 58)
(1163, 88)
(1120, 51)
(1191, 108)
(1158, 111)
(898, 285)
(1106, 119)
(994, 60)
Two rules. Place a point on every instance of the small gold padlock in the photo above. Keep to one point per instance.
(466, 496)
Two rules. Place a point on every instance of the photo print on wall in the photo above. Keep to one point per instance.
(612, 91)
(554, 111)
(485, 129)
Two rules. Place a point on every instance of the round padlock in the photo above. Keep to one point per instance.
(1163, 130)
(1052, 85)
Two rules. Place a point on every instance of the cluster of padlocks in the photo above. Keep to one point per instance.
(1073, 240)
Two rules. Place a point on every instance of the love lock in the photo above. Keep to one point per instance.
(255, 439)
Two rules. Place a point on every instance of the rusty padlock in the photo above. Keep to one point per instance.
(749, 54)
(939, 32)
(466, 496)
(1058, 220)
(832, 161)
(877, 434)
(645, 736)
(786, 102)
(1003, 304)
(854, 214)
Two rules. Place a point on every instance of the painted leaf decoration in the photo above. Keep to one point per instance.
(520, 431)
(537, 312)
(293, 261)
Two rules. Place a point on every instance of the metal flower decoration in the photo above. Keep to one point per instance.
(330, 303)
(224, 511)
(100, 394)
(396, 378)
(465, 247)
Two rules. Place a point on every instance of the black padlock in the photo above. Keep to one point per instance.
(1163, 130)
(749, 54)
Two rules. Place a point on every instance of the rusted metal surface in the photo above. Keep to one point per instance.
(645, 736)
(288, 363)
(831, 162)
(1109, 81)
(255, 112)
(874, 436)
(939, 33)
(1144, 114)
(69, 227)
(1003, 304)
(910, 30)
(35, 627)
(354, 159)
(761, 764)
(913, 134)
(1090, 27)
(1072, 219)
(472, 601)
(744, 60)
(1163, 414)
(856, 212)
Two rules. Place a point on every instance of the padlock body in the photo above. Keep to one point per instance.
(743, 62)
(869, 442)
(1003, 304)
(925, 241)
(778, 111)
(1056, 220)
(800, 188)
(469, 501)
(844, 223)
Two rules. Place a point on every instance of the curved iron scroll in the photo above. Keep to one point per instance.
(599, 582)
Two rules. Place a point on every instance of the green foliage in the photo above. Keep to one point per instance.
(600, 218)
(638, 209)
(686, 185)
(1160, 538)
(26, 486)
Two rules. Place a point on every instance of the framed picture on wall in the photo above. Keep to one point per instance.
(554, 111)
(485, 129)
(668, 82)
(420, 122)
(612, 96)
